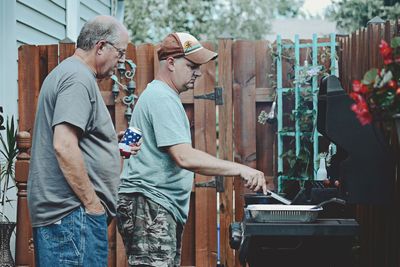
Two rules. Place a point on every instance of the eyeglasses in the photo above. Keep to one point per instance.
(121, 52)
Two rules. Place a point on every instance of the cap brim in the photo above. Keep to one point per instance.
(201, 56)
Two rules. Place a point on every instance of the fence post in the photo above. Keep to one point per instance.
(225, 116)
(24, 251)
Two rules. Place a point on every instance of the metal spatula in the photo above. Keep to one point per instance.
(279, 198)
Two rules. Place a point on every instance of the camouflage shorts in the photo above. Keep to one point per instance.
(151, 235)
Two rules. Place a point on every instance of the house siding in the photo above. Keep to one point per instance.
(45, 21)
(40, 22)
(90, 8)
(37, 22)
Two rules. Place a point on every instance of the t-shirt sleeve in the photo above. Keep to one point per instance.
(73, 106)
(170, 123)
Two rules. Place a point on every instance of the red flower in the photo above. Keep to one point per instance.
(376, 98)
(356, 97)
(392, 84)
(359, 87)
(362, 112)
(365, 118)
(387, 61)
(385, 49)
(360, 107)
(356, 86)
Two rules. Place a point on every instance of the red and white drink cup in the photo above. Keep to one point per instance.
(131, 136)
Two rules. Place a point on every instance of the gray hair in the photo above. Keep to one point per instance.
(99, 28)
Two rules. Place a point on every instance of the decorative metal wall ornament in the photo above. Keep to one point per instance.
(129, 87)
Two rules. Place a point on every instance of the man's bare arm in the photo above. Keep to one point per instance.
(200, 162)
(70, 159)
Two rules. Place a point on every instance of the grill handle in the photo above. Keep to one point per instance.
(334, 199)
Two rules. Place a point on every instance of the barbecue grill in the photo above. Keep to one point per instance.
(324, 242)
(299, 236)
(294, 235)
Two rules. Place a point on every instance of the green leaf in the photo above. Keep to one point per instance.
(385, 79)
(370, 76)
(395, 42)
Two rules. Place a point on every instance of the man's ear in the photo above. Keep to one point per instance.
(170, 63)
(100, 47)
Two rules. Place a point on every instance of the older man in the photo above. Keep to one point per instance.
(155, 185)
(75, 163)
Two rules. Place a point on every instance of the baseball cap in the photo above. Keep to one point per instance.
(180, 44)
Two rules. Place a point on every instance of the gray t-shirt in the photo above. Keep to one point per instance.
(70, 94)
(161, 117)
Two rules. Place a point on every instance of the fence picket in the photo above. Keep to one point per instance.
(28, 85)
(205, 139)
(145, 66)
(225, 115)
(265, 134)
(244, 94)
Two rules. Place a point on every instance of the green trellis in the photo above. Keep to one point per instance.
(298, 89)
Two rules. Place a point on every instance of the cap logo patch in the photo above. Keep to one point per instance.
(187, 45)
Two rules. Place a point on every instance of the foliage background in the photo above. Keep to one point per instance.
(353, 14)
(149, 21)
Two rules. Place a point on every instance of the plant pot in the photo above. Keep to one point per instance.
(6, 229)
(396, 118)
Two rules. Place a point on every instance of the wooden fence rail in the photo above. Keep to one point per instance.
(243, 72)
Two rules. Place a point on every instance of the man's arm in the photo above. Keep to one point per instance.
(186, 157)
(70, 159)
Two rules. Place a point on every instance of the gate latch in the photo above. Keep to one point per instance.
(216, 96)
(217, 183)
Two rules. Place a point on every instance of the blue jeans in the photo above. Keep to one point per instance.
(80, 239)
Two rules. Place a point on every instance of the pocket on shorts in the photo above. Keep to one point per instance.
(124, 215)
(162, 238)
(95, 220)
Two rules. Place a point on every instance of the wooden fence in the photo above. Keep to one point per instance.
(380, 225)
(243, 72)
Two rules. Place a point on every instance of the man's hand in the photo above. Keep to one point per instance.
(119, 135)
(94, 206)
(255, 179)
(135, 148)
(98, 209)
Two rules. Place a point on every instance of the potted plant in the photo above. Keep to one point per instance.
(8, 149)
(377, 95)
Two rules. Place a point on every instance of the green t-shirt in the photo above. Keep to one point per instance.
(160, 116)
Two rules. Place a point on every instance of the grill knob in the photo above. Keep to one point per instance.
(235, 233)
